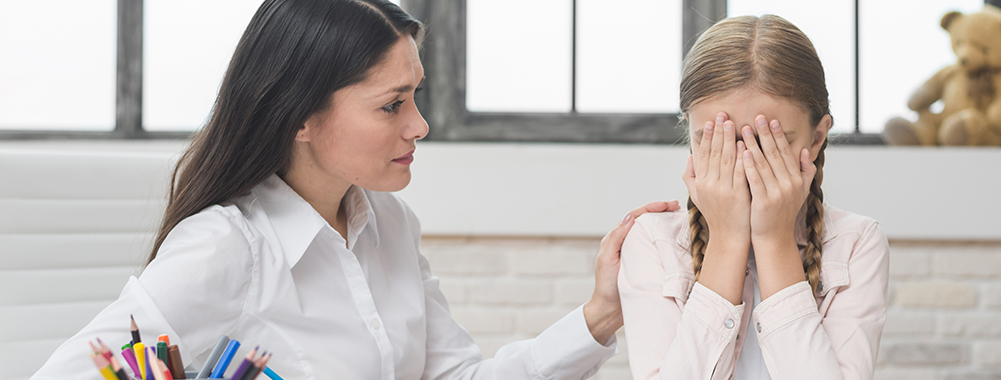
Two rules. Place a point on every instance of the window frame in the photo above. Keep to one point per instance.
(443, 101)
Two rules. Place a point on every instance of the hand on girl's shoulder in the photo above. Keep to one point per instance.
(660, 226)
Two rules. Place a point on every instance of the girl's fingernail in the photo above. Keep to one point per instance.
(747, 155)
(761, 122)
(626, 218)
(775, 125)
(719, 118)
(727, 126)
(747, 131)
(740, 145)
(709, 127)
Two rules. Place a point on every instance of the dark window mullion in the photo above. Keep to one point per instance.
(573, 57)
(128, 104)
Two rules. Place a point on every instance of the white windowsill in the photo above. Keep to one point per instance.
(507, 189)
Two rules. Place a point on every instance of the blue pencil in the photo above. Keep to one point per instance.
(227, 356)
(271, 374)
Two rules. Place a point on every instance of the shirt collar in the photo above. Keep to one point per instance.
(297, 224)
(685, 237)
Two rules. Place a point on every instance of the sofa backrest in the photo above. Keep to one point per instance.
(74, 225)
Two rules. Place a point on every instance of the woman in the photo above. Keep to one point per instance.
(761, 279)
(280, 230)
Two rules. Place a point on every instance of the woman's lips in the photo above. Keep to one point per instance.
(405, 159)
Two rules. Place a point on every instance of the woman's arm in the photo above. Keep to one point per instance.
(603, 312)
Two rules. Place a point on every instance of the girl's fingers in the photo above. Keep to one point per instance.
(754, 181)
(770, 149)
(729, 154)
(704, 148)
(755, 157)
(788, 156)
(739, 176)
(716, 154)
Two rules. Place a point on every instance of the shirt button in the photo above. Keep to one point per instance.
(820, 286)
(728, 323)
(746, 272)
(759, 327)
(374, 323)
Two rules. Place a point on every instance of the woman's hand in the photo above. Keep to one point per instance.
(780, 181)
(603, 312)
(717, 183)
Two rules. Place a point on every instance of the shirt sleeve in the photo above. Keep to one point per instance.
(797, 342)
(205, 254)
(667, 336)
(565, 350)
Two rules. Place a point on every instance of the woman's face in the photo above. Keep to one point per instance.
(742, 106)
(366, 137)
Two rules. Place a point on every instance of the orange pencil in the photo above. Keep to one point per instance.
(164, 338)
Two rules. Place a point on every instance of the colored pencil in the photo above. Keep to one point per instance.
(271, 374)
(161, 351)
(175, 364)
(140, 350)
(102, 364)
(130, 357)
(135, 331)
(213, 357)
(245, 364)
(154, 364)
(259, 365)
(225, 359)
(166, 370)
(164, 338)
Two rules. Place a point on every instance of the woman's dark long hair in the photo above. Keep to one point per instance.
(293, 56)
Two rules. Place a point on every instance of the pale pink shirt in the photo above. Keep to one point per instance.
(678, 329)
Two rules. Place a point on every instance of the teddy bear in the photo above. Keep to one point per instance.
(968, 89)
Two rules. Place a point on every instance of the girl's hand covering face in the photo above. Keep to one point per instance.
(779, 180)
(717, 183)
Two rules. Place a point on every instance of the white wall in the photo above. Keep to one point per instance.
(509, 189)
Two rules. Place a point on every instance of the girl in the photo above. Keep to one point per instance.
(281, 230)
(761, 279)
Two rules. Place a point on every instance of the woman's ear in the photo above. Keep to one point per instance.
(819, 136)
(307, 129)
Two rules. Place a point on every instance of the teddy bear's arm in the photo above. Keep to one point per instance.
(931, 91)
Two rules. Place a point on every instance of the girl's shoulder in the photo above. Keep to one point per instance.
(841, 224)
(666, 227)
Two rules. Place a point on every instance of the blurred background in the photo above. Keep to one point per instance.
(549, 120)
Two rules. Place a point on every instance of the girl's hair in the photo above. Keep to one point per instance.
(291, 59)
(771, 55)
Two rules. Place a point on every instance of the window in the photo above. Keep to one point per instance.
(512, 70)
(866, 74)
(58, 70)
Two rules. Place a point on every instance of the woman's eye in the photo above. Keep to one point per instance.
(393, 108)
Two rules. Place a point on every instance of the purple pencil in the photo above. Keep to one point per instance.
(246, 364)
(130, 357)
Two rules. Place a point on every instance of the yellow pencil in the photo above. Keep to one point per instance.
(104, 366)
(140, 350)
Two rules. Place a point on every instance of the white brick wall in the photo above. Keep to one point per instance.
(944, 321)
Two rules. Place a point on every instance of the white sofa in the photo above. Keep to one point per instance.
(74, 225)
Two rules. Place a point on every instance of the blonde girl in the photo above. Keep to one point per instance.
(761, 279)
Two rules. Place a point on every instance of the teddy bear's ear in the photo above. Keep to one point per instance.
(949, 18)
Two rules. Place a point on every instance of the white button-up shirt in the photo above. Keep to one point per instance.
(266, 269)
